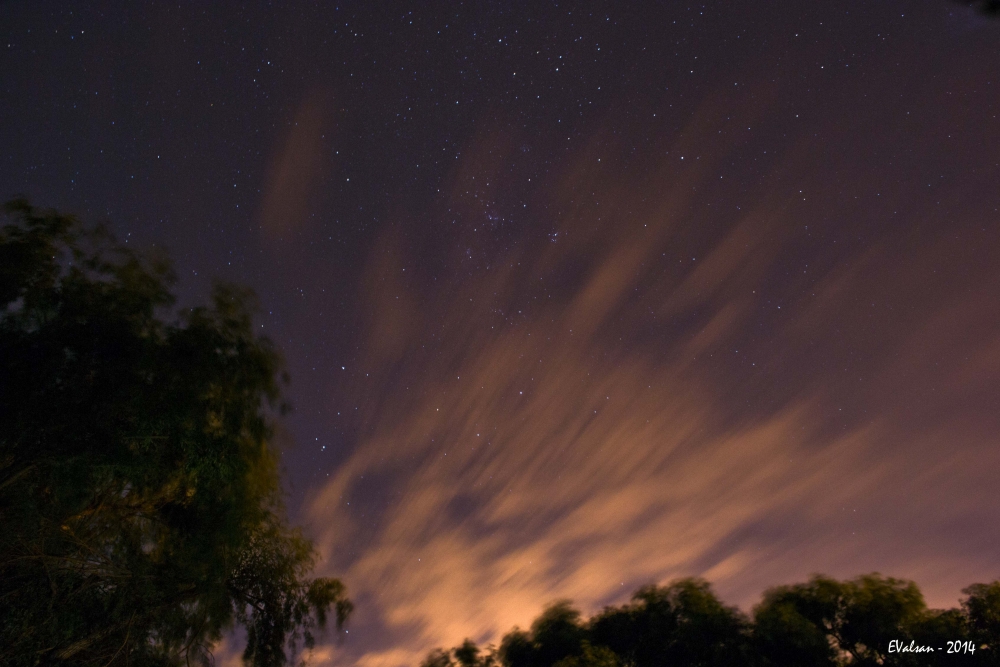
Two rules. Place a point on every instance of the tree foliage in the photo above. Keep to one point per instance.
(683, 623)
(821, 623)
(140, 502)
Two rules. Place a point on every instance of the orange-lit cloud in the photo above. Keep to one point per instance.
(297, 168)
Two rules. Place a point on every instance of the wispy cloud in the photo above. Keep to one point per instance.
(665, 390)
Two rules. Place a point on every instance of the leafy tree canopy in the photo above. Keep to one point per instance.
(140, 502)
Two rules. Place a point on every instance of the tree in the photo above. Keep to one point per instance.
(682, 623)
(140, 501)
(982, 609)
(555, 635)
(469, 655)
(438, 658)
(517, 649)
(789, 625)
(591, 656)
(466, 655)
(829, 622)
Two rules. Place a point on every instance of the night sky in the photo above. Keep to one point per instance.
(574, 296)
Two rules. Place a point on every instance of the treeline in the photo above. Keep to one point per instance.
(871, 620)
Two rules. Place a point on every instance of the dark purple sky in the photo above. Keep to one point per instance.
(574, 296)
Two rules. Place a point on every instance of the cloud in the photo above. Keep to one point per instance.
(654, 396)
(297, 168)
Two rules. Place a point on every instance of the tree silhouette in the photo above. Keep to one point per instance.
(856, 619)
(140, 502)
(683, 623)
(466, 655)
(555, 635)
(982, 613)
